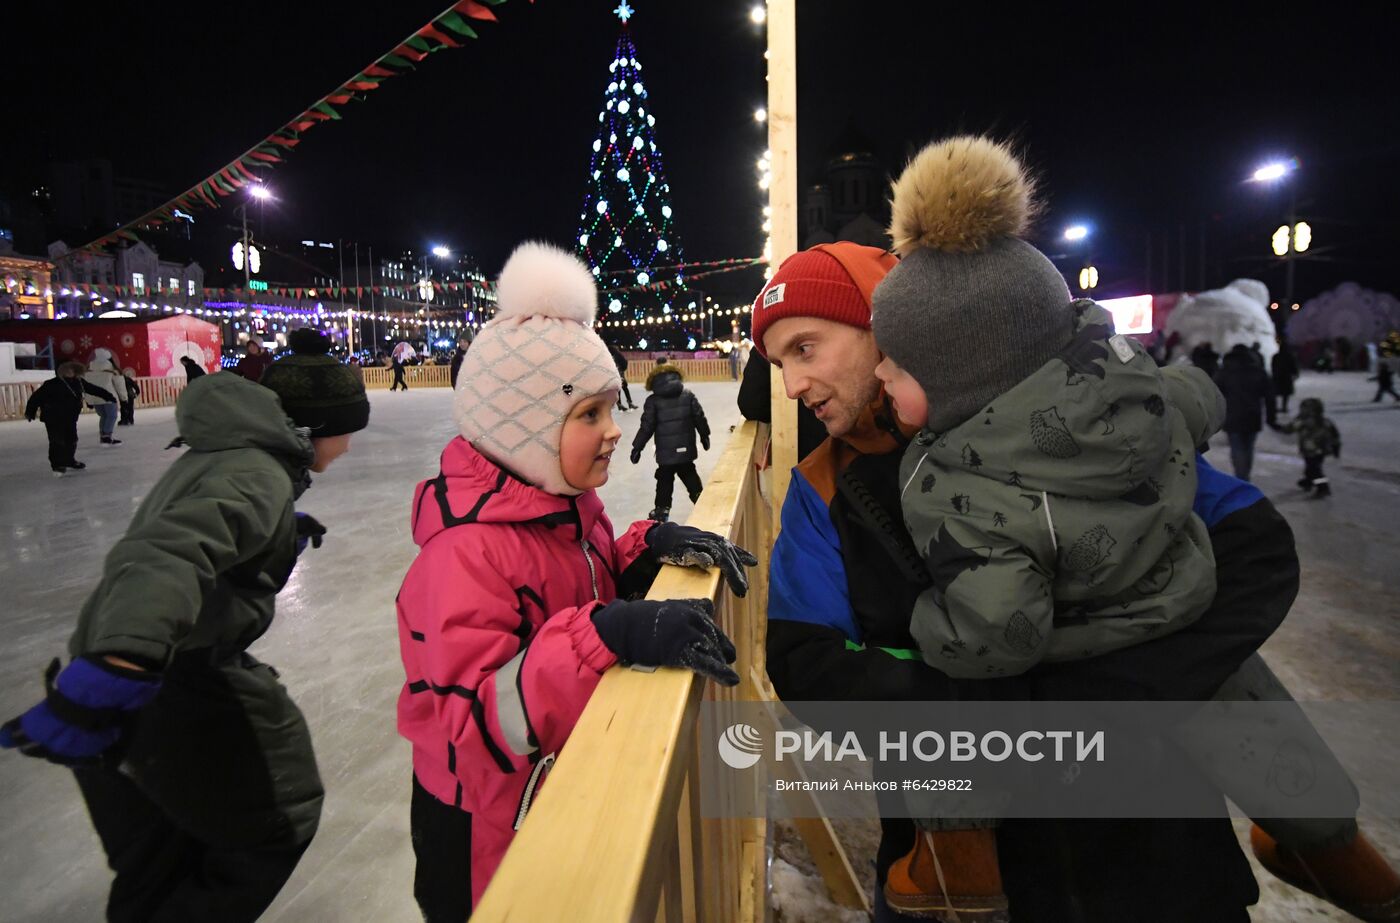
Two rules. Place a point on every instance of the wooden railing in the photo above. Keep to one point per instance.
(616, 833)
(162, 392)
(416, 376)
(692, 369)
(155, 392)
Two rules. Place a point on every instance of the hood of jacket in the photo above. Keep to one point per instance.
(665, 380)
(1093, 421)
(472, 488)
(216, 413)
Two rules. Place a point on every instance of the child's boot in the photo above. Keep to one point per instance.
(1323, 489)
(950, 875)
(1352, 876)
(660, 514)
(1305, 483)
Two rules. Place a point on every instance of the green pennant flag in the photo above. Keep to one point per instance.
(325, 109)
(456, 23)
(394, 60)
(419, 44)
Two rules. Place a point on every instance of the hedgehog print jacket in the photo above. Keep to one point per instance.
(1056, 523)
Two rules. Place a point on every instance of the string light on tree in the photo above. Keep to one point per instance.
(626, 226)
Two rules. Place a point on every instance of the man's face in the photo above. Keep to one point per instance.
(828, 366)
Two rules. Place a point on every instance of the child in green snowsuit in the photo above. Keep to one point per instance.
(1050, 489)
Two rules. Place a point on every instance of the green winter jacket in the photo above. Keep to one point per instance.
(214, 541)
(1056, 523)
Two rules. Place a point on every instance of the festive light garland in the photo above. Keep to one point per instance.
(443, 31)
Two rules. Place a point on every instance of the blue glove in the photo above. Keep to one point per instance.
(667, 633)
(85, 711)
(691, 547)
(308, 531)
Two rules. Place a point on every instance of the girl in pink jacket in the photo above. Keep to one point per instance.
(520, 596)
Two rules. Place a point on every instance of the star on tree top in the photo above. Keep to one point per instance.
(623, 11)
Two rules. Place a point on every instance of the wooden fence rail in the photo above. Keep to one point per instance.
(155, 392)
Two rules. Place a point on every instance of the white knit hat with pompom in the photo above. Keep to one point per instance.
(532, 363)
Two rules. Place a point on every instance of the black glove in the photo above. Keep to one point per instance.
(30, 417)
(636, 455)
(82, 716)
(308, 530)
(667, 633)
(691, 547)
(705, 443)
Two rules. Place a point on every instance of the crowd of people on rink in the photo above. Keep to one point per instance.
(980, 452)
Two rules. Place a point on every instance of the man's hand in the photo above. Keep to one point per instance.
(636, 456)
(309, 530)
(82, 717)
(690, 547)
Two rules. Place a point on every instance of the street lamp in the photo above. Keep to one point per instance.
(1295, 236)
(1076, 232)
(261, 193)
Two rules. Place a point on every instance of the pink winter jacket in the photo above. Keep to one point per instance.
(497, 640)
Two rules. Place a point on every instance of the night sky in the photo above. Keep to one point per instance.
(1141, 127)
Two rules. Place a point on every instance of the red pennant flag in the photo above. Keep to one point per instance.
(408, 52)
(429, 31)
(474, 10)
(374, 70)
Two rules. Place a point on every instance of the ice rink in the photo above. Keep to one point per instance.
(335, 640)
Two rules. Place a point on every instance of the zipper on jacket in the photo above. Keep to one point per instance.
(540, 769)
(592, 572)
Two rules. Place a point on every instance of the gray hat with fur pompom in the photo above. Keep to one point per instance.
(971, 310)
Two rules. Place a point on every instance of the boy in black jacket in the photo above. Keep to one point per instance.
(59, 401)
(675, 416)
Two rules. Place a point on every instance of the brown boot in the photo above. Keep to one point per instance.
(1352, 876)
(950, 875)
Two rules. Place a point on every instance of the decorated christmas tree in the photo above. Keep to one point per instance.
(627, 232)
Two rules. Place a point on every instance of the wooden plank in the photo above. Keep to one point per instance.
(782, 198)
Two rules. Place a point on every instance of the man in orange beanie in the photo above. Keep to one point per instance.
(845, 575)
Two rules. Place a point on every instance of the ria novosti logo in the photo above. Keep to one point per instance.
(740, 746)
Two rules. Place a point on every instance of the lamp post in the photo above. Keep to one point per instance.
(1297, 235)
(260, 193)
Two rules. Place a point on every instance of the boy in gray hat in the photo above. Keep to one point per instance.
(1050, 489)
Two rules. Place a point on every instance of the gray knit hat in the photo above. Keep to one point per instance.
(971, 310)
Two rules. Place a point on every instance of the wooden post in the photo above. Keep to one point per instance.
(782, 198)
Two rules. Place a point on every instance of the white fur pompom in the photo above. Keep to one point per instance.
(541, 280)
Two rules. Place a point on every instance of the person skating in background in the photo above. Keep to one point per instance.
(624, 397)
(520, 593)
(196, 766)
(131, 392)
(1385, 379)
(255, 363)
(1317, 438)
(1249, 403)
(458, 355)
(58, 402)
(193, 369)
(1205, 358)
(674, 415)
(397, 365)
(1284, 370)
(103, 372)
